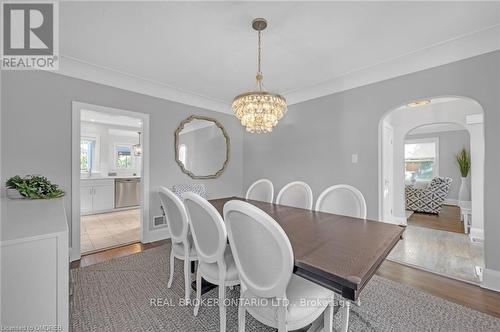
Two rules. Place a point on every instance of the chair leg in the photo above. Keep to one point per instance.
(328, 318)
(187, 280)
(241, 317)
(169, 284)
(222, 307)
(282, 319)
(198, 292)
(345, 316)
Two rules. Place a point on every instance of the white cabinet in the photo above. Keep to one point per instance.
(104, 198)
(86, 200)
(34, 264)
(97, 196)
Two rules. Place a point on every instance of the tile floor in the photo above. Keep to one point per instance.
(446, 253)
(107, 230)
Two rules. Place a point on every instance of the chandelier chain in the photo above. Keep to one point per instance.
(259, 60)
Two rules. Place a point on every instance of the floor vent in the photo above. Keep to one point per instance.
(159, 221)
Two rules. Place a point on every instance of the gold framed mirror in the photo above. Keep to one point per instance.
(202, 147)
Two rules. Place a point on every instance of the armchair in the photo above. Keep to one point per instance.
(429, 199)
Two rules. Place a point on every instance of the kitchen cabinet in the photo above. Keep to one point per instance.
(86, 200)
(104, 198)
(97, 196)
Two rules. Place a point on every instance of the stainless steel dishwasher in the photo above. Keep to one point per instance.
(127, 192)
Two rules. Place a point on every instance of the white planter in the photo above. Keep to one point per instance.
(463, 194)
(14, 194)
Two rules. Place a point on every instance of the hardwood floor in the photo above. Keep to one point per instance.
(447, 220)
(106, 255)
(452, 290)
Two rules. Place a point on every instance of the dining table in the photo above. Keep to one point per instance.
(340, 253)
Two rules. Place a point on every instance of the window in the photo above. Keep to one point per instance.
(87, 154)
(421, 159)
(123, 156)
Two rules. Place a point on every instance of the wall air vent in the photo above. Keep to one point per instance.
(159, 221)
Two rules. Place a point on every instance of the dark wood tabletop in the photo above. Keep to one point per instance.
(337, 252)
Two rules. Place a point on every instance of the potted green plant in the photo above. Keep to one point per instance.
(463, 162)
(32, 187)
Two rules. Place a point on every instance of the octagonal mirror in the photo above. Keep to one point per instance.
(201, 147)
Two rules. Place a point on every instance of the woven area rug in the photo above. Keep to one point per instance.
(130, 294)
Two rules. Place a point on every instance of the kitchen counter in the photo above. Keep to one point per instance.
(110, 177)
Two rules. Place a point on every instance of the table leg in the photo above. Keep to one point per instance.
(345, 316)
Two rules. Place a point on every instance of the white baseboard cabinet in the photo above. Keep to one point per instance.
(34, 265)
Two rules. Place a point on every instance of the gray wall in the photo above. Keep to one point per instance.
(36, 131)
(315, 139)
(450, 143)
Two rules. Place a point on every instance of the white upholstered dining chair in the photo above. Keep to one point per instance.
(297, 194)
(261, 190)
(182, 243)
(215, 261)
(342, 199)
(270, 292)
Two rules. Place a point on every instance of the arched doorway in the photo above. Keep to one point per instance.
(394, 127)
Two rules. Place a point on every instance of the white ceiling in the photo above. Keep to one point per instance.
(205, 53)
(110, 119)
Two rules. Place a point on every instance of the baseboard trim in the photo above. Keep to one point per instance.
(476, 234)
(451, 201)
(73, 255)
(491, 279)
(156, 235)
(454, 202)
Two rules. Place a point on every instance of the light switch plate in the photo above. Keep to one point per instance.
(354, 158)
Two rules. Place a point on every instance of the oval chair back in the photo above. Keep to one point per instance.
(261, 250)
(261, 190)
(297, 194)
(342, 199)
(207, 227)
(175, 213)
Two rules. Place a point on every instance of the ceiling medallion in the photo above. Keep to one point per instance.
(259, 111)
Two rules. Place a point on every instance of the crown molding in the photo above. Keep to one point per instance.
(73, 67)
(456, 49)
(459, 48)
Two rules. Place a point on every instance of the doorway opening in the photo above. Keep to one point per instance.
(422, 187)
(110, 178)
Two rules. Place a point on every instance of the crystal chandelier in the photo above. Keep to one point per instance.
(259, 111)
